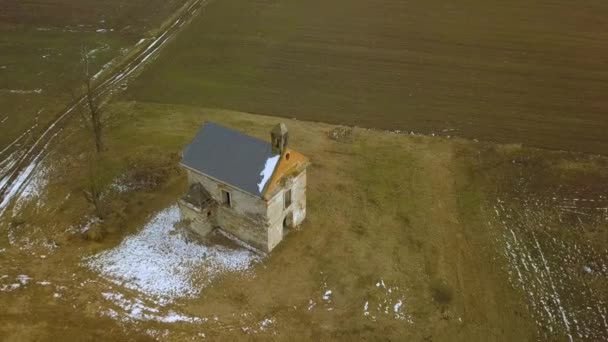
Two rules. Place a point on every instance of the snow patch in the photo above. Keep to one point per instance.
(159, 262)
(23, 279)
(271, 164)
(24, 175)
(266, 323)
(33, 189)
(23, 91)
(102, 69)
(9, 287)
(135, 309)
(390, 301)
(397, 306)
(550, 270)
(20, 280)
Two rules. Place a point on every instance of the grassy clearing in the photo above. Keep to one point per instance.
(394, 221)
(508, 72)
(386, 227)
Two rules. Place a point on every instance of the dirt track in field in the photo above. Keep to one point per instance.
(20, 161)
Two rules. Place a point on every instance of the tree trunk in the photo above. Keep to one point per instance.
(95, 118)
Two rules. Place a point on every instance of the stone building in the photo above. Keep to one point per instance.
(247, 188)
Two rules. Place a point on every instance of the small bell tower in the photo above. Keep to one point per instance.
(279, 138)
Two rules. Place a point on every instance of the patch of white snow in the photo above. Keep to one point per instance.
(397, 306)
(23, 279)
(24, 91)
(137, 310)
(33, 189)
(159, 262)
(267, 322)
(271, 164)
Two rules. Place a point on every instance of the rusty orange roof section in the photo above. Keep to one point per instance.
(291, 161)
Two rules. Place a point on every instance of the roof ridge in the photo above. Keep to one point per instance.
(235, 131)
(230, 157)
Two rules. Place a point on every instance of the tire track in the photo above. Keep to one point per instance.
(15, 177)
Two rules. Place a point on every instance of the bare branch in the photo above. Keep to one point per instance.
(94, 116)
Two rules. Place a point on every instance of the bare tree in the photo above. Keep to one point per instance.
(93, 114)
(93, 191)
(93, 117)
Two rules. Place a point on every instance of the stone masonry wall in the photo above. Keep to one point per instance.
(277, 211)
(200, 222)
(251, 219)
(245, 218)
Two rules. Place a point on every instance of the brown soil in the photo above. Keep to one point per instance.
(532, 73)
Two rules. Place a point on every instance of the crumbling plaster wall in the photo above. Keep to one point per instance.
(245, 218)
(249, 218)
(277, 211)
(200, 221)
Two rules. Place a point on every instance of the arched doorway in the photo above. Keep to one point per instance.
(287, 222)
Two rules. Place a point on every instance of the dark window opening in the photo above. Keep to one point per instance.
(226, 200)
(287, 198)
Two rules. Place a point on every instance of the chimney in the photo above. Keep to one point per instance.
(279, 138)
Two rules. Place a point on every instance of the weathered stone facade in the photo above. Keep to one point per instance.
(251, 190)
(284, 217)
(258, 222)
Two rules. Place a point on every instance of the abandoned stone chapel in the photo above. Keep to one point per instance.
(250, 190)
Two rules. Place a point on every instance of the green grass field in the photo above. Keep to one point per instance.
(524, 72)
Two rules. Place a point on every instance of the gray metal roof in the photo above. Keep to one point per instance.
(229, 156)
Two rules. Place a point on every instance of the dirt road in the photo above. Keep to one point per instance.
(18, 163)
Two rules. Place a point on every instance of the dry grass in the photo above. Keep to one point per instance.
(386, 211)
(379, 210)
